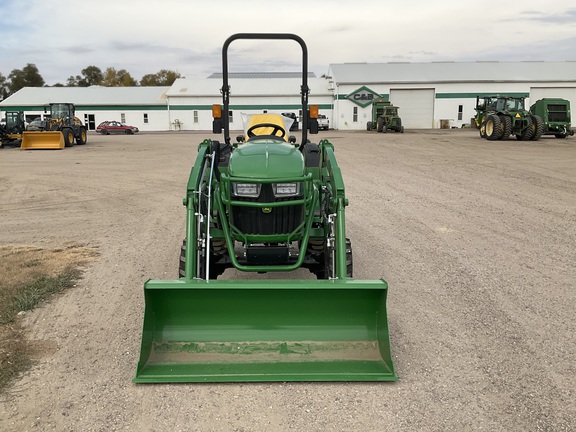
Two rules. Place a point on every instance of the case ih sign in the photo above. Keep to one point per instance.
(363, 96)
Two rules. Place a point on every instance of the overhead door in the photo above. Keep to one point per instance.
(416, 107)
(568, 93)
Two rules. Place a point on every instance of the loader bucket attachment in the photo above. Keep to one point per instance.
(262, 330)
(46, 140)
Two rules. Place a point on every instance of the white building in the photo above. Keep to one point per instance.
(144, 107)
(428, 94)
(190, 101)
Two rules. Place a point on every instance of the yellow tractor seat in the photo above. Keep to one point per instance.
(271, 124)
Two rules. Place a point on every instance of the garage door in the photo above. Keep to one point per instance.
(416, 107)
(568, 93)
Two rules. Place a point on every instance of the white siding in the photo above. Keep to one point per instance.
(568, 93)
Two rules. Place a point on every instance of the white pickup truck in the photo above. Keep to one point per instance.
(323, 122)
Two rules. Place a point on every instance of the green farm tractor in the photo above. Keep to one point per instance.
(384, 117)
(498, 117)
(265, 204)
(556, 115)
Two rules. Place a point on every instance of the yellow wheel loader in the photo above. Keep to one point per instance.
(61, 130)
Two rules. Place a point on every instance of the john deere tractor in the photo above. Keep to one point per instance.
(266, 203)
(498, 117)
(384, 117)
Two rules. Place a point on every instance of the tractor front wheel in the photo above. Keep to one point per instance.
(506, 127)
(82, 137)
(537, 127)
(329, 269)
(68, 137)
(527, 133)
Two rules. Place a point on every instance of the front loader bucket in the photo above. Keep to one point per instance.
(262, 330)
(47, 140)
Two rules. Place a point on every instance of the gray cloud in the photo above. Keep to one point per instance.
(567, 17)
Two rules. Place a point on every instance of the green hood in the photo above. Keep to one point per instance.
(266, 159)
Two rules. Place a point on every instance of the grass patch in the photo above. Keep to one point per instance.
(30, 276)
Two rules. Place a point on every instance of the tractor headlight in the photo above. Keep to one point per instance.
(249, 190)
(286, 189)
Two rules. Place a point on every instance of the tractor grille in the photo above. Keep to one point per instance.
(557, 113)
(268, 221)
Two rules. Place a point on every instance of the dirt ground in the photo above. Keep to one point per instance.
(475, 238)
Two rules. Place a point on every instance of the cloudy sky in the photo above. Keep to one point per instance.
(63, 37)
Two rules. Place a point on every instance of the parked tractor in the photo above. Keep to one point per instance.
(59, 131)
(555, 113)
(498, 117)
(266, 203)
(11, 132)
(384, 117)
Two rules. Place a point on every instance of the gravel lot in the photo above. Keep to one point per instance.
(475, 238)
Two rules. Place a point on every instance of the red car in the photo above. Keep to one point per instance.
(109, 127)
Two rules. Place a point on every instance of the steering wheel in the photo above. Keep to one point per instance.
(275, 128)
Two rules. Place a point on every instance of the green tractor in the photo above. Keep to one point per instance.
(384, 117)
(265, 204)
(498, 117)
(556, 115)
(11, 132)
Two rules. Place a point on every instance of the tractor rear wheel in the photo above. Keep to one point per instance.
(493, 127)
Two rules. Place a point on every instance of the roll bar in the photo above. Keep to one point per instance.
(304, 89)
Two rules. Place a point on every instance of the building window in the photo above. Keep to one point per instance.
(195, 117)
(145, 118)
(230, 116)
(123, 117)
(460, 109)
(355, 115)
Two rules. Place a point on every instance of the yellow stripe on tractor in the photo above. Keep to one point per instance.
(46, 140)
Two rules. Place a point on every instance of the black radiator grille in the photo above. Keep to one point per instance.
(267, 221)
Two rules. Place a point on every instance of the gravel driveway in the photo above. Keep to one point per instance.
(475, 238)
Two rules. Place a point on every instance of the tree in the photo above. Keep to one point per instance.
(118, 78)
(3, 87)
(72, 81)
(162, 78)
(28, 76)
(91, 75)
